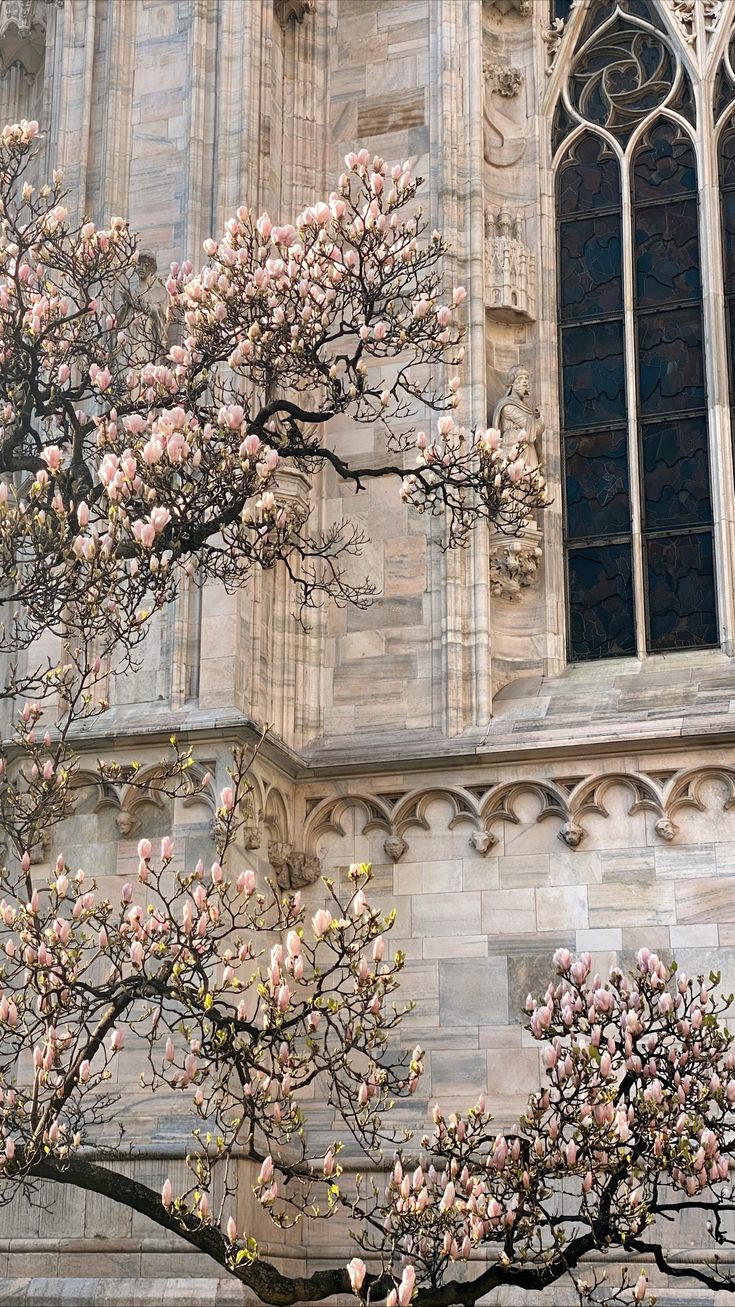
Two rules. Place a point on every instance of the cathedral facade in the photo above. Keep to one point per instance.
(532, 740)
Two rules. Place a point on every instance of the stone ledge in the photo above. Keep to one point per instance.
(181, 1292)
(102, 1292)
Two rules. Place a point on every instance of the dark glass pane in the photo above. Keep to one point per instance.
(562, 125)
(596, 15)
(731, 345)
(624, 76)
(560, 9)
(664, 164)
(675, 467)
(597, 485)
(684, 102)
(681, 592)
(590, 283)
(728, 238)
(589, 179)
(670, 364)
(727, 159)
(594, 376)
(601, 601)
(644, 9)
(723, 93)
(667, 253)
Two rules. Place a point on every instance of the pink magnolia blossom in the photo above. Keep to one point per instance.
(356, 1270)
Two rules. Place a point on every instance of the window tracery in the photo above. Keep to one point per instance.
(639, 523)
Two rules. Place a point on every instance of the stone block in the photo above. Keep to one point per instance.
(439, 914)
(693, 937)
(512, 1074)
(480, 873)
(378, 116)
(616, 904)
(528, 973)
(562, 908)
(622, 865)
(509, 912)
(460, 1072)
(690, 862)
(711, 899)
(608, 941)
(473, 992)
(453, 946)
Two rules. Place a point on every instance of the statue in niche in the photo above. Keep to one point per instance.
(518, 420)
(142, 321)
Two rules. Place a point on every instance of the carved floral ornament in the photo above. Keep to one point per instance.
(685, 13)
(482, 809)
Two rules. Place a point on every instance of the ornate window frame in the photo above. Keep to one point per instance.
(698, 54)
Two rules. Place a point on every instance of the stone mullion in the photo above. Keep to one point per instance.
(119, 78)
(73, 74)
(452, 574)
(204, 50)
(476, 396)
(631, 400)
(717, 373)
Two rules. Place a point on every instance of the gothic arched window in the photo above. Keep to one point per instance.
(639, 533)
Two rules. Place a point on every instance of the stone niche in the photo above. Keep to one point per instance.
(511, 269)
(22, 35)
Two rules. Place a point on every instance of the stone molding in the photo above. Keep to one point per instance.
(481, 808)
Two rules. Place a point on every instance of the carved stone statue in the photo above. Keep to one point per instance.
(142, 316)
(518, 420)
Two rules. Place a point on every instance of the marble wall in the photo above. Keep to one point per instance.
(539, 805)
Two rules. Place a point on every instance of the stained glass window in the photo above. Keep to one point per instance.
(592, 350)
(672, 418)
(638, 512)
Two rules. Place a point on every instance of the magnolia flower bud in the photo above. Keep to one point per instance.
(356, 1270)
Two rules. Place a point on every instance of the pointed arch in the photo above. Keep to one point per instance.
(639, 534)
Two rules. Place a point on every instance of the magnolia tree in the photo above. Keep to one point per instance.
(124, 469)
